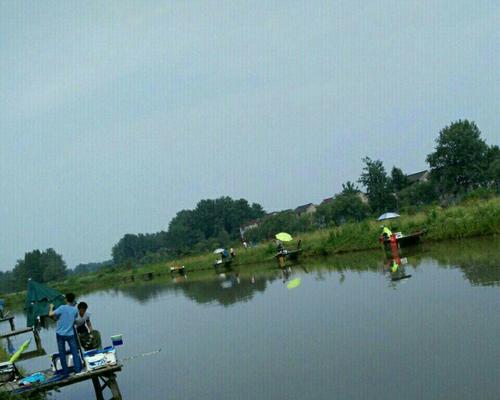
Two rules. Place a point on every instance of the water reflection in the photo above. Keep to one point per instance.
(478, 260)
(395, 265)
(225, 289)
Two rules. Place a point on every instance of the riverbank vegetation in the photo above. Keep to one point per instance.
(473, 217)
(456, 198)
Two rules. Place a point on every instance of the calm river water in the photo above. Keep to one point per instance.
(346, 332)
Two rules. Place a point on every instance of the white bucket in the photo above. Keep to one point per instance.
(94, 360)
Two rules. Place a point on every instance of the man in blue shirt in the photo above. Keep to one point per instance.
(66, 315)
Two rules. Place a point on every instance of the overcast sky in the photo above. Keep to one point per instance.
(115, 115)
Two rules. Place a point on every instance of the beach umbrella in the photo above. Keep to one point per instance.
(219, 251)
(293, 283)
(284, 237)
(388, 215)
(38, 298)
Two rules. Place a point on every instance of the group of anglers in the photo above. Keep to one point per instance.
(73, 326)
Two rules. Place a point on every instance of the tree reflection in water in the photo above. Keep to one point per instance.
(478, 259)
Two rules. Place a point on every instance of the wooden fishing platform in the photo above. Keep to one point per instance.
(102, 378)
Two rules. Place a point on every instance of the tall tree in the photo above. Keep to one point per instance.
(493, 173)
(459, 162)
(350, 188)
(378, 185)
(54, 267)
(418, 194)
(399, 179)
(39, 266)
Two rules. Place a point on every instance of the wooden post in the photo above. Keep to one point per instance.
(38, 341)
(97, 388)
(113, 386)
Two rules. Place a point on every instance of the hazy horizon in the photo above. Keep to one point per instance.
(116, 115)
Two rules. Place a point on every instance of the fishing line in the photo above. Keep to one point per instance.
(149, 353)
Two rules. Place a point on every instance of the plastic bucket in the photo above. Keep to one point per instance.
(94, 359)
(109, 355)
(117, 340)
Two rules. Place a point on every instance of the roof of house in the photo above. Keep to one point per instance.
(304, 207)
(250, 223)
(416, 176)
(327, 200)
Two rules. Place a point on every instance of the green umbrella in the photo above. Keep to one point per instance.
(19, 351)
(284, 237)
(38, 299)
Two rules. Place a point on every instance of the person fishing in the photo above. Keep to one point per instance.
(386, 232)
(279, 246)
(89, 337)
(65, 332)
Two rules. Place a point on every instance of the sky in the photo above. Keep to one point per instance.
(115, 115)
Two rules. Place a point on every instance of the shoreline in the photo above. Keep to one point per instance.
(472, 220)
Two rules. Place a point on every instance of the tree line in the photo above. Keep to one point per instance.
(211, 224)
(41, 266)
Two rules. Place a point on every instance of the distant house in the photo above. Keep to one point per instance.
(328, 200)
(305, 209)
(249, 225)
(422, 176)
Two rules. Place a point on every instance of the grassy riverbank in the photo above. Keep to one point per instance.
(475, 218)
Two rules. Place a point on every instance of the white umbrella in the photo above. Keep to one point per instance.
(219, 251)
(389, 215)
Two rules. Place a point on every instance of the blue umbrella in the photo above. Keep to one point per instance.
(389, 215)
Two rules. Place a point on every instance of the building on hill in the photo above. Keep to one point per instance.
(328, 200)
(422, 176)
(309, 208)
(363, 197)
(249, 225)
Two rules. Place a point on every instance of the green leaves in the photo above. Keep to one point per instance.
(213, 223)
(459, 162)
(40, 266)
(378, 185)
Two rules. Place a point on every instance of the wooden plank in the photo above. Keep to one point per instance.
(15, 333)
(32, 354)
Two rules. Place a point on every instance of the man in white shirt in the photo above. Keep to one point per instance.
(89, 337)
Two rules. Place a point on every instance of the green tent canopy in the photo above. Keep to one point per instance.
(38, 299)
